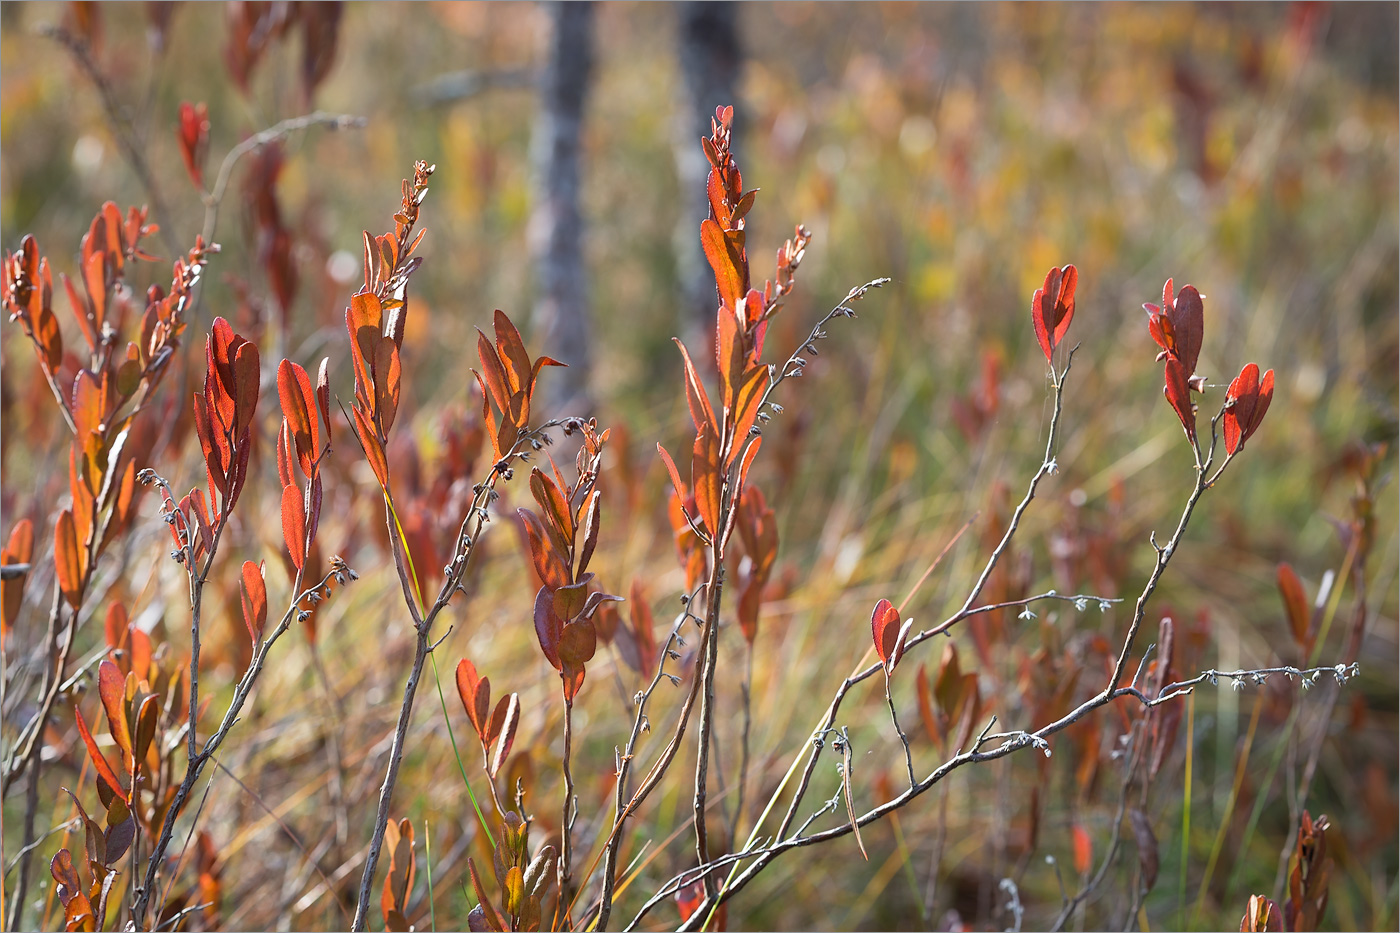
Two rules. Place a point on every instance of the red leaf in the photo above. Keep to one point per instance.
(298, 405)
(1052, 307)
(884, 629)
(193, 133)
(1178, 392)
(1246, 402)
(254, 592)
(294, 526)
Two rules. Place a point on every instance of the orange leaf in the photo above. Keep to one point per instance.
(724, 250)
(374, 452)
(1295, 602)
(700, 411)
(514, 359)
(104, 770)
(387, 376)
(111, 688)
(67, 559)
(1083, 849)
(705, 476)
(294, 527)
(298, 405)
(254, 592)
(19, 550)
(680, 487)
(746, 405)
(552, 571)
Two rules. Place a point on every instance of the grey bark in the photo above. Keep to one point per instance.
(710, 58)
(560, 314)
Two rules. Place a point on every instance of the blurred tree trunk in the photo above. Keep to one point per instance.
(710, 58)
(560, 314)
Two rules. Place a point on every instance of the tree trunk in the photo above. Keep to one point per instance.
(710, 58)
(560, 314)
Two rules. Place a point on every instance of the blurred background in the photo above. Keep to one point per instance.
(961, 150)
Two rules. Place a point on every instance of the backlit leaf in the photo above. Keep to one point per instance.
(254, 593)
(294, 526)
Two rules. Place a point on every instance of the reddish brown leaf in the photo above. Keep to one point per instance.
(548, 626)
(1146, 846)
(558, 521)
(294, 526)
(494, 372)
(475, 693)
(1261, 916)
(492, 918)
(592, 510)
(1295, 603)
(504, 722)
(1178, 393)
(926, 713)
(387, 376)
(513, 356)
(552, 571)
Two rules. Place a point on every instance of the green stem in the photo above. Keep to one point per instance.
(437, 680)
